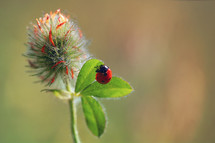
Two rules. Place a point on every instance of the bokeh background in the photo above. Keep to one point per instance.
(165, 49)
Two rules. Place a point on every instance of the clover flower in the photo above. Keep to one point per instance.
(56, 51)
(55, 48)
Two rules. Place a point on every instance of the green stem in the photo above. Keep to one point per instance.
(72, 107)
(74, 130)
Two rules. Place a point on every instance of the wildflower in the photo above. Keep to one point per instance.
(55, 48)
(56, 51)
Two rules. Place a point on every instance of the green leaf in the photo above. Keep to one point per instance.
(87, 74)
(62, 94)
(94, 115)
(115, 88)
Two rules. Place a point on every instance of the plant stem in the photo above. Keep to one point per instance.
(72, 107)
(74, 130)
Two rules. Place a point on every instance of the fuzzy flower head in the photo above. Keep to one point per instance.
(55, 48)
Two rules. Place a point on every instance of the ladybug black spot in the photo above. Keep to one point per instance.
(103, 81)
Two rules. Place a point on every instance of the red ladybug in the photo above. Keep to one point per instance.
(104, 74)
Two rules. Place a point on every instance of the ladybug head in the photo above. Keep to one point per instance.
(102, 69)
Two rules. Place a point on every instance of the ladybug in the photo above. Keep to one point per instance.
(104, 74)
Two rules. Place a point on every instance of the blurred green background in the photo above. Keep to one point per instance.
(165, 49)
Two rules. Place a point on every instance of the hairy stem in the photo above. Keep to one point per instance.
(74, 130)
(72, 107)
